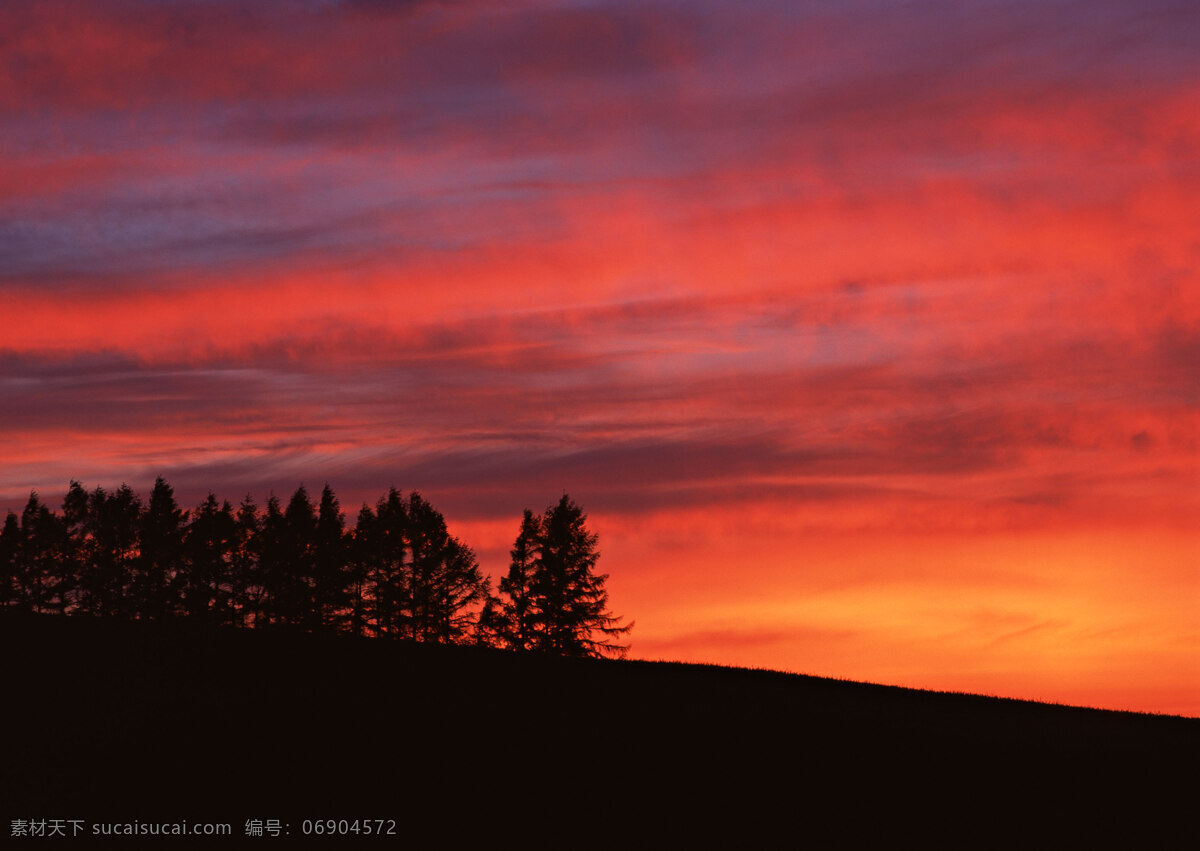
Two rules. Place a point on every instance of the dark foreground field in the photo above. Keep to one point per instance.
(128, 722)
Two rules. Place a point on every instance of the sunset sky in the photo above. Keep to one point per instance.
(866, 333)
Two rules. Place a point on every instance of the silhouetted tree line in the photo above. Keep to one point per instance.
(396, 573)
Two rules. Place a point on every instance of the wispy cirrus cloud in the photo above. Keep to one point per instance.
(693, 399)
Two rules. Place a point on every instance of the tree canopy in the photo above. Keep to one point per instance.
(396, 572)
(552, 600)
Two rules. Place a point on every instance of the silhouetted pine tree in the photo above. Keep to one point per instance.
(10, 553)
(42, 545)
(426, 538)
(272, 565)
(297, 606)
(161, 554)
(110, 548)
(390, 580)
(330, 579)
(208, 547)
(244, 569)
(361, 570)
(461, 594)
(77, 543)
(564, 600)
(510, 616)
(444, 583)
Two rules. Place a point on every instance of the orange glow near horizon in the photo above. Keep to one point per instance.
(868, 339)
(1040, 617)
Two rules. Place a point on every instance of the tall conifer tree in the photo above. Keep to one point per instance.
(42, 545)
(10, 553)
(297, 606)
(245, 569)
(552, 599)
(330, 578)
(160, 554)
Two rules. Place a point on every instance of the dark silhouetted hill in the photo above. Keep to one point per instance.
(127, 721)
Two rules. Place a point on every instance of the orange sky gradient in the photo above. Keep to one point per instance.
(867, 334)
